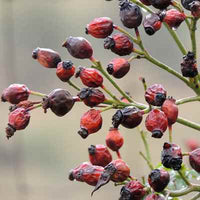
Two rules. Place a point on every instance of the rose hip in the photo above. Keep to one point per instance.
(194, 158)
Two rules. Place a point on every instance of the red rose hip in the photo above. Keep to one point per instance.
(100, 27)
(194, 158)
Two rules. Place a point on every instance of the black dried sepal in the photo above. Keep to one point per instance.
(10, 130)
(117, 119)
(109, 43)
(187, 4)
(125, 194)
(67, 64)
(83, 133)
(92, 150)
(84, 93)
(160, 98)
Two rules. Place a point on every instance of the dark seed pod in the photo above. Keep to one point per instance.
(160, 4)
(195, 8)
(194, 158)
(99, 155)
(90, 77)
(114, 140)
(15, 93)
(59, 101)
(87, 173)
(155, 95)
(129, 117)
(189, 66)
(90, 122)
(100, 27)
(65, 70)
(119, 44)
(170, 109)
(46, 57)
(118, 67)
(130, 14)
(187, 4)
(171, 156)
(158, 179)
(133, 190)
(91, 96)
(154, 197)
(78, 47)
(156, 122)
(117, 171)
(174, 18)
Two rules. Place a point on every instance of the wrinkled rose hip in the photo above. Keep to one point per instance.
(100, 27)
(90, 77)
(118, 67)
(99, 155)
(15, 93)
(90, 122)
(194, 158)
(46, 57)
(171, 156)
(78, 47)
(65, 70)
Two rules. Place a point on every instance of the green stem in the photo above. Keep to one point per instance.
(73, 85)
(188, 123)
(138, 52)
(133, 58)
(170, 133)
(197, 196)
(193, 36)
(37, 94)
(184, 178)
(109, 92)
(187, 100)
(107, 108)
(148, 163)
(176, 39)
(34, 107)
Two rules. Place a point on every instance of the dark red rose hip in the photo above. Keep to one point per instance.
(91, 96)
(160, 4)
(90, 122)
(171, 156)
(146, 2)
(90, 77)
(46, 57)
(118, 67)
(155, 95)
(100, 27)
(59, 101)
(133, 190)
(129, 117)
(99, 155)
(194, 158)
(65, 70)
(87, 173)
(78, 47)
(154, 197)
(158, 179)
(119, 44)
(18, 120)
(151, 23)
(15, 93)
(189, 66)
(130, 14)
(170, 109)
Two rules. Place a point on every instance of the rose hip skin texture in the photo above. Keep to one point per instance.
(189, 66)
(194, 158)
(100, 27)
(118, 67)
(158, 179)
(86, 173)
(154, 197)
(46, 57)
(90, 122)
(145, 2)
(151, 23)
(78, 47)
(130, 14)
(99, 155)
(160, 4)
(155, 95)
(114, 139)
(174, 18)
(15, 93)
(59, 101)
(133, 190)
(90, 77)
(18, 120)
(156, 122)
(129, 117)
(91, 96)
(119, 44)
(171, 156)
(170, 109)
(65, 70)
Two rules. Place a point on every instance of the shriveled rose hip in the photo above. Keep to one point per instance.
(46, 57)
(15, 93)
(100, 27)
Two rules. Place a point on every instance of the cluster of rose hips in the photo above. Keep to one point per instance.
(162, 111)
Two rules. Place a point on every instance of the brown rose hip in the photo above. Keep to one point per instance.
(46, 57)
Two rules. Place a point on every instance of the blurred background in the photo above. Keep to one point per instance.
(34, 164)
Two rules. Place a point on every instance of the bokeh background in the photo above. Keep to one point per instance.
(34, 164)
